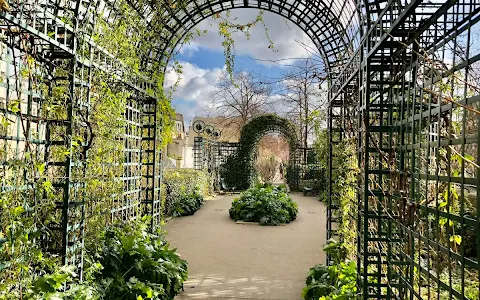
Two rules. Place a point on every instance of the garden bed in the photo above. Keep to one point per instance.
(265, 205)
(184, 191)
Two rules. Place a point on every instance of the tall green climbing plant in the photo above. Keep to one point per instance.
(238, 171)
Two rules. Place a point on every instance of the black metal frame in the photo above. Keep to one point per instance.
(403, 84)
(304, 171)
(210, 155)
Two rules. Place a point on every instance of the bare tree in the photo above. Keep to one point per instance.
(304, 96)
(241, 100)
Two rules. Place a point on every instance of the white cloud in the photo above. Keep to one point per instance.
(195, 87)
(286, 36)
(197, 84)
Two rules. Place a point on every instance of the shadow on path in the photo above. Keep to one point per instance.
(233, 261)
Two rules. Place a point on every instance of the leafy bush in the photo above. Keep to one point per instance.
(138, 263)
(132, 264)
(338, 281)
(334, 282)
(52, 286)
(265, 204)
(319, 283)
(184, 191)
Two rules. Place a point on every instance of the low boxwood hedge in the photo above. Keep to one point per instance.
(184, 191)
(266, 204)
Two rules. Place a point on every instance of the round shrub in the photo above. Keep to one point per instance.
(266, 204)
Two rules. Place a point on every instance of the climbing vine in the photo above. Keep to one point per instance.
(344, 192)
(238, 170)
(228, 27)
(103, 111)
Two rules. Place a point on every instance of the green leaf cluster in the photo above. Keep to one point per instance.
(345, 172)
(338, 281)
(266, 204)
(129, 263)
(185, 190)
(137, 263)
(59, 285)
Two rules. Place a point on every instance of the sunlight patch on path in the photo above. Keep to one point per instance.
(231, 261)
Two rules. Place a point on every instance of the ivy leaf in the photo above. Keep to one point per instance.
(41, 168)
(18, 210)
(442, 204)
(13, 106)
(456, 238)
(47, 186)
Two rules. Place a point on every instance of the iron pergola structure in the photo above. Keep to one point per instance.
(404, 83)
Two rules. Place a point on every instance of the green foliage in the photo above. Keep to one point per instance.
(115, 36)
(336, 251)
(228, 28)
(344, 191)
(319, 283)
(137, 263)
(30, 175)
(338, 281)
(231, 171)
(131, 263)
(239, 170)
(185, 190)
(321, 146)
(265, 204)
(52, 286)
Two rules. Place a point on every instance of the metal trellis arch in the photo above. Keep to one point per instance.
(251, 133)
(403, 83)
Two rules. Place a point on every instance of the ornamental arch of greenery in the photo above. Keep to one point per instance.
(403, 90)
(239, 170)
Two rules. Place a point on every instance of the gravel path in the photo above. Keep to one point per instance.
(234, 261)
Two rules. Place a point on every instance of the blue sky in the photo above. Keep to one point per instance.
(203, 59)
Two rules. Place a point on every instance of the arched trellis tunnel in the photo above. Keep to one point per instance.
(239, 170)
(403, 84)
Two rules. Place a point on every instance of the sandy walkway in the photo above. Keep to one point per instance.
(232, 261)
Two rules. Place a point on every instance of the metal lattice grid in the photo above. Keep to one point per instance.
(333, 26)
(151, 162)
(406, 71)
(49, 60)
(304, 171)
(418, 138)
(210, 155)
(199, 153)
(341, 125)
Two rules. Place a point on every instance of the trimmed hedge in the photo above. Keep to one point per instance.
(184, 191)
(265, 204)
(239, 171)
